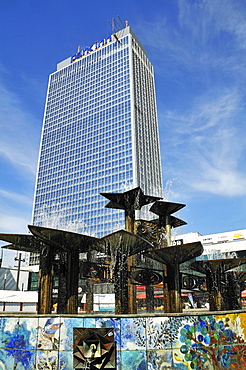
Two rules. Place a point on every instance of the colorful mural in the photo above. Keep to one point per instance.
(178, 342)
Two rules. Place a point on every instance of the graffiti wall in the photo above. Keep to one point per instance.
(185, 342)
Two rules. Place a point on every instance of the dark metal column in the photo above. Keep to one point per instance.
(132, 301)
(72, 281)
(214, 286)
(172, 257)
(171, 286)
(62, 286)
(150, 306)
(173, 282)
(121, 285)
(89, 289)
(45, 281)
(166, 298)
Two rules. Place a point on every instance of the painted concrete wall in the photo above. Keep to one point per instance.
(185, 342)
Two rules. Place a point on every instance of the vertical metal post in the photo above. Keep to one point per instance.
(4, 282)
(90, 296)
(166, 298)
(173, 281)
(132, 302)
(18, 270)
(89, 290)
(168, 230)
(45, 281)
(121, 284)
(150, 307)
(72, 282)
(214, 285)
(62, 285)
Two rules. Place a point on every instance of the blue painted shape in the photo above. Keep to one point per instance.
(118, 359)
(134, 360)
(89, 322)
(66, 331)
(159, 359)
(65, 360)
(133, 333)
(114, 323)
(180, 366)
(47, 360)
(16, 341)
(48, 333)
(31, 325)
(6, 361)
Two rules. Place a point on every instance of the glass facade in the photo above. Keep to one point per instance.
(99, 134)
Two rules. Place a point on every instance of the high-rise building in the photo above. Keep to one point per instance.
(100, 134)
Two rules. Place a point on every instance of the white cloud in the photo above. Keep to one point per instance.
(207, 35)
(13, 224)
(215, 180)
(19, 139)
(205, 18)
(18, 155)
(229, 16)
(16, 197)
(210, 110)
(207, 145)
(200, 57)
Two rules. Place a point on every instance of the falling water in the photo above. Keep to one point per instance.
(168, 189)
(128, 185)
(115, 251)
(56, 218)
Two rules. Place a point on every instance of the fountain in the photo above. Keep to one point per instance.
(58, 250)
(151, 240)
(172, 256)
(142, 254)
(129, 201)
(215, 271)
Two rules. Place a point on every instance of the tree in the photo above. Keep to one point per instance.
(211, 344)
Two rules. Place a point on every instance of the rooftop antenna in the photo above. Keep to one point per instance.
(115, 25)
(112, 25)
(122, 24)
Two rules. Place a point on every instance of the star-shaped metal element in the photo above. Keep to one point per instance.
(65, 240)
(123, 242)
(22, 242)
(176, 254)
(133, 199)
(58, 240)
(163, 208)
(174, 222)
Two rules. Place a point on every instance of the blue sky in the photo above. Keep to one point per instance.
(198, 49)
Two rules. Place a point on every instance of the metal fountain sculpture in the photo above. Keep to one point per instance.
(172, 256)
(123, 252)
(217, 273)
(59, 256)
